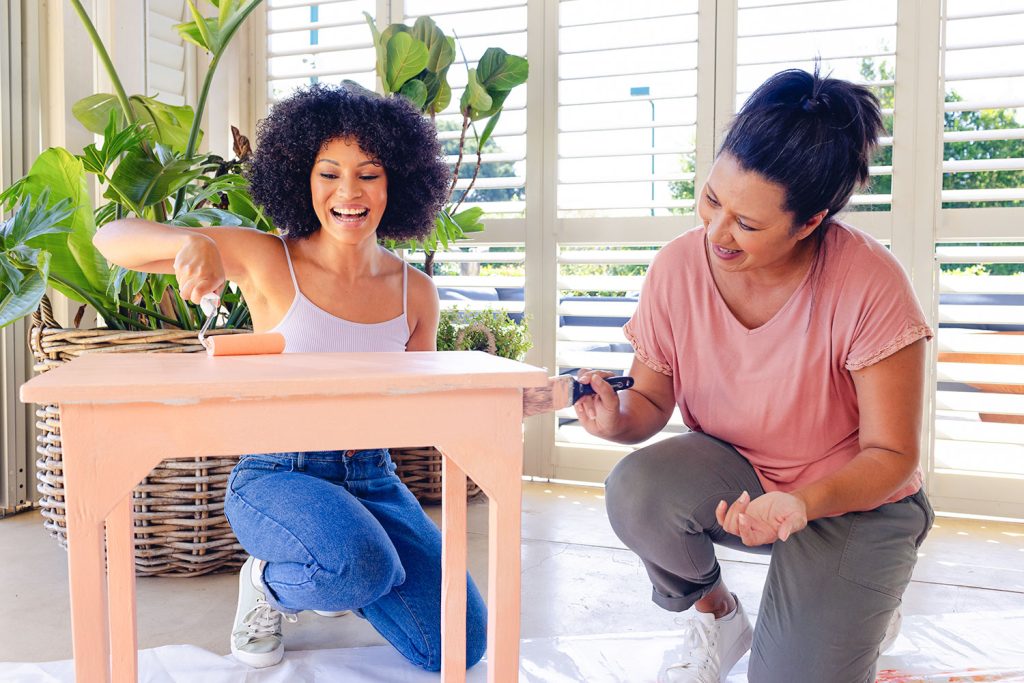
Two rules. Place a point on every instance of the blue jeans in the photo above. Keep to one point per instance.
(340, 531)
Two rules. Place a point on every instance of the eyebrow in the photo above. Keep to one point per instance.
(747, 219)
(369, 162)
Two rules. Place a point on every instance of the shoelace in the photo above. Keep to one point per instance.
(697, 637)
(263, 620)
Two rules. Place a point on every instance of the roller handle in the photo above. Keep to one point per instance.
(579, 390)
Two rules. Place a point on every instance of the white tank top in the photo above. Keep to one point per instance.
(307, 328)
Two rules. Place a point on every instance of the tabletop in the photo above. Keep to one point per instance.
(165, 377)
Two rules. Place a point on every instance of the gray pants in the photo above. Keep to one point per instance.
(831, 588)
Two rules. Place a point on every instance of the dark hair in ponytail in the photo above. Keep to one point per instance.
(813, 136)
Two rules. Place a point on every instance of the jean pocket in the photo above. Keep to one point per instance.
(265, 461)
(881, 548)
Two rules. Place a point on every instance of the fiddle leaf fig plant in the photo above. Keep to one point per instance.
(413, 62)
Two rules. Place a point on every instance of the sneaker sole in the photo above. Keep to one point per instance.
(331, 615)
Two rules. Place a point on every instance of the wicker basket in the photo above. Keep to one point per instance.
(180, 527)
(420, 468)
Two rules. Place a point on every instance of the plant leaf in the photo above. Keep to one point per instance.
(140, 181)
(468, 220)
(406, 57)
(443, 99)
(488, 129)
(201, 31)
(440, 51)
(22, 301)
(498, 70)
(73, 255)
(475, 96)
(209, 216)
(169, 124)
(416, 92)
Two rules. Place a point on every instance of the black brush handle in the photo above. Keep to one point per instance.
(579, 390)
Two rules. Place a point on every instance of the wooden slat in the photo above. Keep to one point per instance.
(983, 375)
(982, 284)
(981, 315)
(604, 309)
(583, 333)
(601, 283)
(604, 360)
(471, 305)
(980, 402)
(479, 281)
(1009, 344)
(979, 457)
(980, 432)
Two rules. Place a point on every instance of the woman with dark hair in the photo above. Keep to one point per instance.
(793, 346)
(337, 168)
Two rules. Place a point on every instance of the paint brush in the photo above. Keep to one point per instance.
(563, 391)
(235, 344)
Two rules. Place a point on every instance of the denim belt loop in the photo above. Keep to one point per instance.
(300, 461)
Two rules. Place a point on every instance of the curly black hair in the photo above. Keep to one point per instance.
(388, 129)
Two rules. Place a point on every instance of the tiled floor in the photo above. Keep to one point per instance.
(577, 579)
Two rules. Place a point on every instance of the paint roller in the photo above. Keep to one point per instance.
(235, 344)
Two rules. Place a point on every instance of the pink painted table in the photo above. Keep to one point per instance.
(121, 414)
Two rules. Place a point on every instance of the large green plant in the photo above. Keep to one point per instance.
(413, 62)
(146, 166)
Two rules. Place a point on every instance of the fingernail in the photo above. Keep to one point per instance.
(745, 496)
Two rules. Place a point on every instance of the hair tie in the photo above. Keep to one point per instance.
(810, 104)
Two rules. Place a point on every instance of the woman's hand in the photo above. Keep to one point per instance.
(199, 268)
(598, 412)
(766, 519)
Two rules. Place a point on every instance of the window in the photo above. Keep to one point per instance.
(628, 104)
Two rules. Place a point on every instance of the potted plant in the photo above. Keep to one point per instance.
(146, 165)
(413, 62)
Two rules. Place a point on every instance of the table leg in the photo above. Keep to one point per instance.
(503, 583)
(87, 576)
(453, 573)
(121, 591)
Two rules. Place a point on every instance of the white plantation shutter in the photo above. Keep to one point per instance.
(166, 71)
(849, 37)
(627, 106)
(978, 462)
(311, 42)
(983, 70)
(633, 110)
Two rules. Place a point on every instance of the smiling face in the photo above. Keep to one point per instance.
(746, 223)
(349, 190)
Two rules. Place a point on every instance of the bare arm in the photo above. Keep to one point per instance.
(424, 311)
(630, 416)
(201, 258)
(890, 394)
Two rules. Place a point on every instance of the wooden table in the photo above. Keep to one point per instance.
(121, 414)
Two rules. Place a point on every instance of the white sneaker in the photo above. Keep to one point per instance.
(715, 647)
(331, 615)
(256, 639)
(892, 631)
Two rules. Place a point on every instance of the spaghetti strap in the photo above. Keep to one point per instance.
(291, 269)
(405, 287)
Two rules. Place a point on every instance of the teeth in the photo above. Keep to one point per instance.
(348, 212)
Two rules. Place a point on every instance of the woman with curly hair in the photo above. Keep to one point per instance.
(337, 168)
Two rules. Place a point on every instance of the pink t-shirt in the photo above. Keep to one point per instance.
(782, 393)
